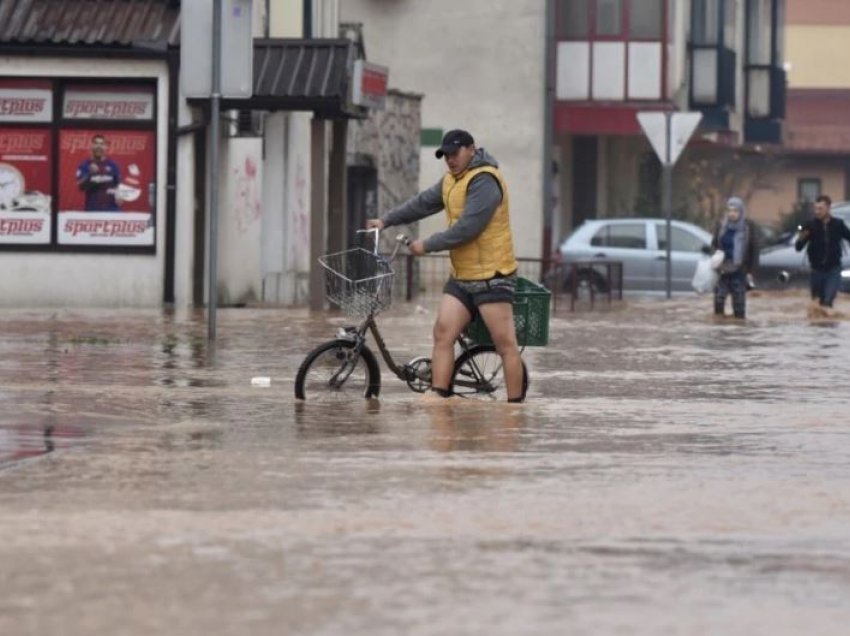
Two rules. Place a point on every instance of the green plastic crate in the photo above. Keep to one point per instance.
(531, 317)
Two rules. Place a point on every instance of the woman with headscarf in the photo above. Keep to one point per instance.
(737, 238)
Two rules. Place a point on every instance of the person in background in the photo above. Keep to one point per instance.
(99, 176)
(737, 237)
(474, 195)
(823, 235)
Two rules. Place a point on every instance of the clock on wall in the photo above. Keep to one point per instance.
(11, 184)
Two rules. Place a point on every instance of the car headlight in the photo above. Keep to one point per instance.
(845, 273)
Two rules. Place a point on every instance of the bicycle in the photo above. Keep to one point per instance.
(360, 283)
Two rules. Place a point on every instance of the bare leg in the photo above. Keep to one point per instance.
(499, 318)
(452, 317)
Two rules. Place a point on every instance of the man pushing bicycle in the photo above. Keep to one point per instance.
(474, 195)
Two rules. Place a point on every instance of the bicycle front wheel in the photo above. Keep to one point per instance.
(478, 374)
(336, 371)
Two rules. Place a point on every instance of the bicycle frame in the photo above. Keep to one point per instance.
(404, 372)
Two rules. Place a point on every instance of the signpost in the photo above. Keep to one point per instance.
(668, 132)
(207, 32)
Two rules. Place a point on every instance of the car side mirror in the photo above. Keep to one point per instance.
(706, 249)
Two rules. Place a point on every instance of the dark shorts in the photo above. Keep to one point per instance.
(472, 293)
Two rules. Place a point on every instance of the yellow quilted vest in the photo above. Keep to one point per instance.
(492, 251)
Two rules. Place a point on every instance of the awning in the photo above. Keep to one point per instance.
(92, 23)
(302, 74)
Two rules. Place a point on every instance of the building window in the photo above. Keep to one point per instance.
(645, 19)
(763, 83)
(609, 18)
(808, 189)
(759, 32)
(610, 50)
(705, 22)
(574, 19)
(80, 158)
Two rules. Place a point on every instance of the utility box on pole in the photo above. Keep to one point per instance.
(196, 48)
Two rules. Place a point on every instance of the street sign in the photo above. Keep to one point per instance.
(682, 126)
(654, 126)
(668, 133)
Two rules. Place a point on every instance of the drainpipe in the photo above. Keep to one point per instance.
(171, 176)
(548, 127)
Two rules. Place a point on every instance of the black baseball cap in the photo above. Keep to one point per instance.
(452, 141)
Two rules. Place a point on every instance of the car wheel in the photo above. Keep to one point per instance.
(588, 280)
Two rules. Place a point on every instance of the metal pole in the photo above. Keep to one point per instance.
(667, 203)
(212, 176)
(550, 223)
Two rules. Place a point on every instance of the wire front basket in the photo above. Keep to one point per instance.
(358, 281)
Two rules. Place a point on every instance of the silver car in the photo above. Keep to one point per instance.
(640, 245)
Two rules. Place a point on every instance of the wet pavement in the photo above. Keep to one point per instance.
(670, 474)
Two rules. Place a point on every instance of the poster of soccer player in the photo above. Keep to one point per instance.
(106, 187)
(25, 188)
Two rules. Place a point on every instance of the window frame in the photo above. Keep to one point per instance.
(59, 86)
(607, 227)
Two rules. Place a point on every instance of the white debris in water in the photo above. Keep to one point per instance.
(261, 380)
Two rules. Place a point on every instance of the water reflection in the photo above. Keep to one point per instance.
(470, 425)
(19, 442)
(330, 420)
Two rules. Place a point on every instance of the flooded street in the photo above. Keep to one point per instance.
(670, 474)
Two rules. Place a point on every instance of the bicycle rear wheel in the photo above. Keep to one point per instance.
(335, 371)
(478, 374)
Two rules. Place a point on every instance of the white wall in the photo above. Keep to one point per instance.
(479, 64)
(286, 208)
(286, 18)
(240, 221)
(91, 280)
(185, 222)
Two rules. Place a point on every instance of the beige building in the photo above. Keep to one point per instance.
(815, 158)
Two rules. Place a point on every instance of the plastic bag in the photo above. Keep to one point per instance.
(717, 259)
(705, 276)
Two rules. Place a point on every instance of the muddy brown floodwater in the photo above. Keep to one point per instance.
(670, 474)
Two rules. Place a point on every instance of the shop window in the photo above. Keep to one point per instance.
(80, 159)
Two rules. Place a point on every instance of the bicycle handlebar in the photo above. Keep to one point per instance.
(401, 239)
(377, 232)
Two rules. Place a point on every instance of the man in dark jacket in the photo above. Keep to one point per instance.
(823, 236)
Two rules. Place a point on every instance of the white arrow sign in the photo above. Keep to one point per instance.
(663, 128)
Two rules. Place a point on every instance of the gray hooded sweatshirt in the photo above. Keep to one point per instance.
(483, 196)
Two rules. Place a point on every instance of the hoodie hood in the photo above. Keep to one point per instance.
(738, 204)
(482, 158)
